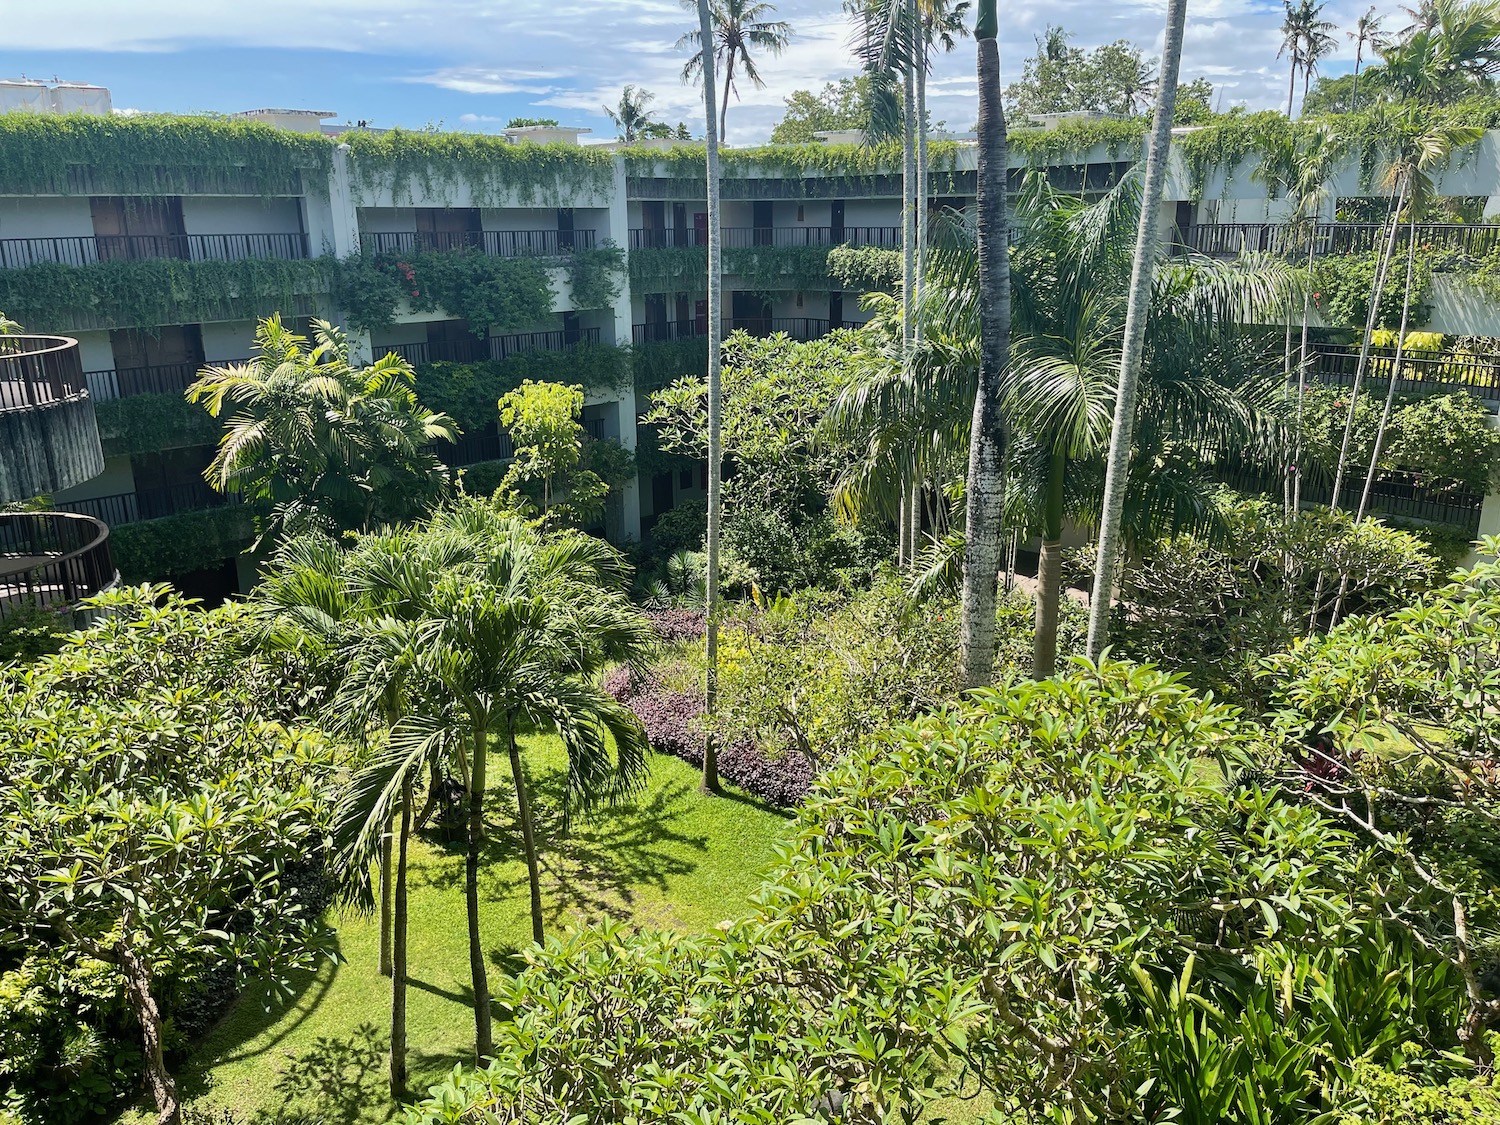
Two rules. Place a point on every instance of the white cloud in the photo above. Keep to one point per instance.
(574, 55)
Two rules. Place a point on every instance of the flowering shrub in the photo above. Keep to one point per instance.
(674, 625)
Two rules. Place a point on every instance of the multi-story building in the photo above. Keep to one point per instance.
(157, 242)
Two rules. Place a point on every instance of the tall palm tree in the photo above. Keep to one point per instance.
(632, 116)
(1143, 266)
(1319, 43)
(1366, 31)
(984, 482)
(319, 444)
(736, 28)
(1451, 50)
(705, 67)
(1305, 38)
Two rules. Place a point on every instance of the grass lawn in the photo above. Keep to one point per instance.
(672, 858)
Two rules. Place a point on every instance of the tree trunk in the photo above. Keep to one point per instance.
(908, 214)
(398, 951)
(1049, 573)
(715, 306)
(1291, 88)
(903, 532)
(984, 483)
(528, 837)
(1302, 366)
(483, 1041)
(1354, 94)
(914, 515)
(143, 1006)
(386, 844)
(1141, 274)
(1390, 394)
(919, 275)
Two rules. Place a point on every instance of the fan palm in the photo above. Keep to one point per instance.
(319, 444)
(740, 28)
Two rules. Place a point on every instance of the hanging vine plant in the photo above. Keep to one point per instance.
(1120, 138)
(862, 269)
(152, 423)
(468, 392)
(669, 269)
(157, 154)
(508, 294)
(595, 275)
(495, 172)
(761, 269)
(149, 292)
(155, 549)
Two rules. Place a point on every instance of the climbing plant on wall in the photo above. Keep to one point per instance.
(148, 292)
(595, 276)
(490, 170)
(865, 268)
(490, 292)
(156, 154)
(151, 423)
(468, 392)
(760, 269)
(156, 549)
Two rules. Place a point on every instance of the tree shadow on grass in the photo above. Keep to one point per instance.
(599, 865)
(335, 1081)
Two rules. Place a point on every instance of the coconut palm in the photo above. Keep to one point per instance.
(1305, 38)
(737, 28)
(318, 444)
(706, 68)
(1453, 49)
(632, 116)
(1143, 266)
(1366, 31)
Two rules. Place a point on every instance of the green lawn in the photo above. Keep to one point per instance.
(672, 858)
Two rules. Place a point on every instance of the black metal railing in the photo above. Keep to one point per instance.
(83, 250)
(745, 238)
(498, 243)
(1394, 493)
(52, 558)
(1337, 364)
(797, 327)
(148, 503)
(1228, 239)
(38, 370)
(478, 349)
(492, 444)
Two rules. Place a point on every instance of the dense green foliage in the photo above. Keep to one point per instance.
(1113, 78)
(152, 423)
(157, 154)
(30, 630)
(548, 470)
(149, 292)
(151, 550)
(838, 107)
(467, 392)
(865, 268)
(155, 820)
(488, 291)
(475, 169)
(1342, 285)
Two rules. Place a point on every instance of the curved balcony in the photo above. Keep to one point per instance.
(52, 559)
(49, 439)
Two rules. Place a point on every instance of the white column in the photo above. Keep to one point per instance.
(619, 231)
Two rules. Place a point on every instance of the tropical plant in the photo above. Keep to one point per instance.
(1366, 33)
(1451, 49)
(1305, 38)
(632, 116)
(315, 443)
(1116, 479)
(737, 28)
(510, 632)
(542, 420)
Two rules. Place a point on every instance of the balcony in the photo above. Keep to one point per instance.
(476, 350)
(149, 503)
(1480, 375)
(746, 238)
(1394, 493)
(1286, 239)
(84, 250)
(49, 439)
(497, 243)
(802, 328)
(52, 559)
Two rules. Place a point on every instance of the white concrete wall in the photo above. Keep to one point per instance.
(45, 216)
(230, 215)
(227, 340)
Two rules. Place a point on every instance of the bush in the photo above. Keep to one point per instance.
(31, 630)
(681, 529)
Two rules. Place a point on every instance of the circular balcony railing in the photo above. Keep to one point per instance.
(52, 559)
(39, 371)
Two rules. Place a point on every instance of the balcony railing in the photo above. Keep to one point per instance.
(477, 350)
(52, 558)
(1394, 493)
(797, 327)
(39, 370)
(1337, 364)
(745, 238)
(83, 250)
(498, 243)
(492, 444)
(1228, 239)
(148, 503)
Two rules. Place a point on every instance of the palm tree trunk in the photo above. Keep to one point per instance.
(920, 31)
(914, 514)
(1354, 94)
(528, 836)
(1291, 87)
(483, 1041)
(903, 532)
(908, 215)
(1049, 573)
(398, 951)
(715, 500)
(386, 844)
(1302, 367)
(724, 108)
(1141, 275)
(987, 435)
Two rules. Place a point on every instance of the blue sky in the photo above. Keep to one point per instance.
(473, 64)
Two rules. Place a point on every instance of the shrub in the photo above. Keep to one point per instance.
(31, 630)
(675, 625)
(681, 529)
